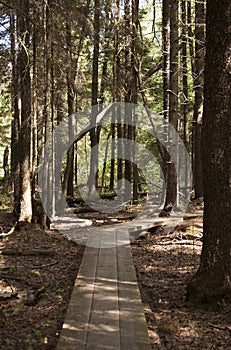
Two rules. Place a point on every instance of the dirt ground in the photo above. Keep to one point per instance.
(164, 262)
(38, 269)
(37, 273)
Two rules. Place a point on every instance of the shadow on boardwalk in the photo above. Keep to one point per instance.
(105, 311)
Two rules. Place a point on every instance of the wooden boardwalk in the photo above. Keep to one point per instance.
(105, 310)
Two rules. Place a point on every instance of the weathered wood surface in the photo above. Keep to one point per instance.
(105, 310)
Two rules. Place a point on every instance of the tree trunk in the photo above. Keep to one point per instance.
(134, 91)
(128, 95)
(190, 35)
(112, 167)
(184, 76)
(165, 75)
(24, 91)
(6, 169)
(184, 89)
(95, 84)
(171, 176)
(212, 282)
(106, 51)
(34, 157)
(103, 185)
(68, 182)
(15, 165)
(166, 55)
(117, 97)
(46, 104)
(198, 103)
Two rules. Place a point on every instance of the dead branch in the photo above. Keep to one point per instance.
(226, 328)
(34, 267)
(4, 234)
(8, 251)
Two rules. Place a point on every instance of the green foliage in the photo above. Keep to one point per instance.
(80, 18)
(5, 204)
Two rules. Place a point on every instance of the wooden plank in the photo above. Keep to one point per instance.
(133, 327)
(75, 328)
(103, 331)
(105, 310)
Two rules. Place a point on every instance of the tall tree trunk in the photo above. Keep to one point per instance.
(134, 90)
(117, 98)
(15, 165)
(198, 88)
(212, 282)
(106, 51)
(171, 175)
(72, 81)
(46, 103)
(184, 76)
(34, 118)
(68, 183)
(128, 92)
(166, 76)
(23, 68)
(184, 88)
(190, 36)
(166, 55)
(94, 100)
(112, 167)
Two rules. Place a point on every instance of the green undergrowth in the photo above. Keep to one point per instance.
(6, 203)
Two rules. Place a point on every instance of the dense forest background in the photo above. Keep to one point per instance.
(61, 56)
(58, 57)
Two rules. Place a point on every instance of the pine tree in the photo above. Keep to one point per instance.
(212, 282)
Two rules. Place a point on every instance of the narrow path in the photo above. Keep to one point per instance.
(105, 310)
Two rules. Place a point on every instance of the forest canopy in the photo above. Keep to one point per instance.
(59, 57)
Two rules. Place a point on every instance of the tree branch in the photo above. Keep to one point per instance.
(17, 9)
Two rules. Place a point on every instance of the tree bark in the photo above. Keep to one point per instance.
(185, 89)
(92, 181)
(46, 104)
(117, 97)
(170, 175)
(24, 91)
(128, 96)
(68, 182)
(134, 92)
(34, 114)
(184, 76)
(165, 75)
(212, 282)
(6, 169)
(166, 55)
(15, 165)
(198, 103)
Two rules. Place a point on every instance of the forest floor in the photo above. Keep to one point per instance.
(38, 270)
(164, 263)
